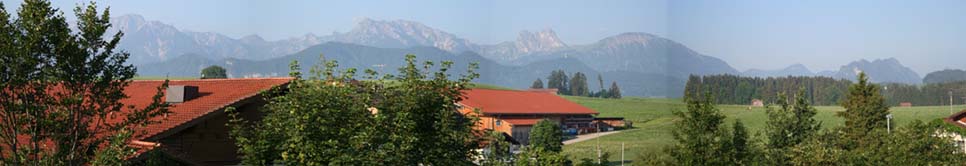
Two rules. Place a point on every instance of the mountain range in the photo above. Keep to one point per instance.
(642, 64)
(880, 71)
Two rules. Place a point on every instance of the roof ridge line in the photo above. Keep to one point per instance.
(223, 79)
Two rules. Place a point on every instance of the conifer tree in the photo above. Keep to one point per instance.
(865, 112)
(537, 84)
(614, 92)
(578, 85)
(742, 150)
(558, 80)
(699, 138)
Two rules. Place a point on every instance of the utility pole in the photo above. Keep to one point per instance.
(889, 123)
(598, 143)
(950, 102)
(622, 153)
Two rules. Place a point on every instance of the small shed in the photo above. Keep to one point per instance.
(905, 104)
(757, 103)
(612, 122)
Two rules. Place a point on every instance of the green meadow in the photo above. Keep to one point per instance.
(653, 122)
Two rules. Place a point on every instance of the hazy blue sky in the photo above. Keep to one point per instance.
(769, 34)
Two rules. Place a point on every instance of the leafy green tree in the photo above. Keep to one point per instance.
(865, 111)
(537, 84)
(863, 142)
(614, 92)
(822, 149)
(61, 89)
(497, 150)
(537, 156)
(547, 135)
(917, 144)
(214, 71)
(603, 160)
(331, 119)
(789, 126)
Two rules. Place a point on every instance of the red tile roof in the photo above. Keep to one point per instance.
(491, 101)
(522, 121)
(214, 94)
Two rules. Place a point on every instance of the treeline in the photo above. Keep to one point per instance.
(577, 85)
(732, 89)
(794, 137)
(929, 94)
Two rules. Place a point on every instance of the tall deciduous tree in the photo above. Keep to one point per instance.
(61, 90)
(214, 71)
(331, 119)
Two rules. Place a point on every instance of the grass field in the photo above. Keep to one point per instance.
(653, 122)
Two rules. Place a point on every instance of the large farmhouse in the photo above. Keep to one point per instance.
(515, 112)
(194, 133)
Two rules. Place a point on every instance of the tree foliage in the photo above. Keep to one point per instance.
(62, 89)
(789, 126)
(547, 135)
(793, 136)
(558, 80)
(700, 138)
(537, 84)
(578, 85)
(497, 151)
(214, 71)
(865, 111)
(731, 89)
(537, 156)
(614, 91)
(332, 119)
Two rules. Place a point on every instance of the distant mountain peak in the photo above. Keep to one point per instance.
(132, 17)
(545, 40)
(402, 34)
(252, 38)
(629, 38)
(792, 70)
(888, 70)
